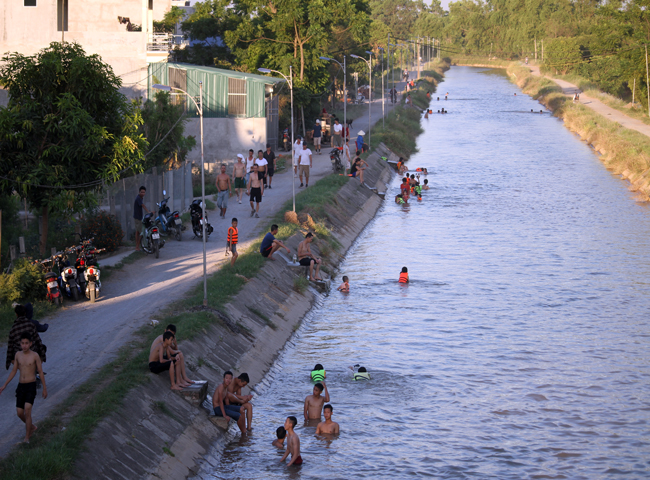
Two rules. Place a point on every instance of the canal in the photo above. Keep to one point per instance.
(520, 347)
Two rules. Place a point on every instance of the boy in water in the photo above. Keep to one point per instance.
(172, 352)
(158, 363)
(232, 238)
(282, 434)
(328, 426)
(236, 399)
(404, 276)
(221, 409)
(426, 185)
(28, 363)
(293, 442)
(345, 286)
(318, 374)
(400, 199)
(314, 403)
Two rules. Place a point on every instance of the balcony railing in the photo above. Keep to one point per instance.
(164, 42)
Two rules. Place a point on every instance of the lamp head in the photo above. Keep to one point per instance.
(158, 86)
(369, 53)
(325, 58)
(264, 70)
(354, 56)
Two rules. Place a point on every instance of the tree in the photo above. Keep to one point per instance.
(164, 124)
(66, 129)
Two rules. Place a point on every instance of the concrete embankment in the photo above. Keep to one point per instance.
(159, 434)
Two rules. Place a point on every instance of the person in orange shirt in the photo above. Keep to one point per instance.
(404, 276)
(232, 239)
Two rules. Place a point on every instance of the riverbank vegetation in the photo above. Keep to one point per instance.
(624, 151)
(52, 453)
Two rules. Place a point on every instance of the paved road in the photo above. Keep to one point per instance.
(596, 105)
(83, 336)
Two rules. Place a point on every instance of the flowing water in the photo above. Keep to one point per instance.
(520, 347)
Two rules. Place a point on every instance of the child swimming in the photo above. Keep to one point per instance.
(345, 286)
(404, 276)
(318, 374)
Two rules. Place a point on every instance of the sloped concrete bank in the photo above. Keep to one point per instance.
(158, 433)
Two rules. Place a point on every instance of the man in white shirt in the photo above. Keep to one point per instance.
(250, 161)
(305, 163)
(297, 148)
(262, 166)
(337, 130)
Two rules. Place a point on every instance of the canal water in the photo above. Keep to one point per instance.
(520, 347)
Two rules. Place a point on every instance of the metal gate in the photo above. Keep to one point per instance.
(272, 121)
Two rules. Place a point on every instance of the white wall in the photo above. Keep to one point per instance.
(224, 138)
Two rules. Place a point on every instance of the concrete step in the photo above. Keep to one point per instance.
(196, 393)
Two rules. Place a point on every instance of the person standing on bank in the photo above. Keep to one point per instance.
(270, 168)
(318, 133)
(305, 163)
(223, 189)
(250, 161)
(138, 205)
(337, 130)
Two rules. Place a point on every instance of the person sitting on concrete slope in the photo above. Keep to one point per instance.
(174, 353)
(221, 407)
(270, 244)
(158, 364)
(236, 399)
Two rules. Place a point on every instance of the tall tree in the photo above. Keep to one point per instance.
(66, 128)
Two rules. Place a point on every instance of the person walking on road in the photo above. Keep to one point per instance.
(138, 205)
(250, 161)
(239, 176)
(318, 133)
(297, 148)
(270, 168)
(337, 130)
(305, 164)
(223, 189)
(255, 190)
(262, 166)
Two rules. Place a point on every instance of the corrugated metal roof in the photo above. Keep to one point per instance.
(229, 73)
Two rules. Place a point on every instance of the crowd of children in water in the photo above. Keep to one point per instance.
(410, 185)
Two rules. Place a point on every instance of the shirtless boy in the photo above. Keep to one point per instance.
(307, 259)
(239, 176)
(158, 364)
(221, 408)
(174, 353)
(282, 434)
(328, 426)
(223, 187)
(314, 403)
(345, 286)
(293, 442)
(255, 189)
(28, 363)
(236, 399)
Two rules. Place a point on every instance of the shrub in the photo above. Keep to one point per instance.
(25, 282)
(104, 228)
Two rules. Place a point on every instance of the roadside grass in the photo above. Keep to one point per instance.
(60, 438)
(624, 149)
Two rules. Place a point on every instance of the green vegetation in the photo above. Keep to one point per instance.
(89, 134)
(300, 284)
(51, 453)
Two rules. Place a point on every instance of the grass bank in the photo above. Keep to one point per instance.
(624, 151)
(52, 452)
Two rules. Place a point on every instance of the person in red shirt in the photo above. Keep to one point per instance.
(232, 239)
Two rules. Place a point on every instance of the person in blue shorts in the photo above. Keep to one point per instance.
(227, 411)
(270, 244)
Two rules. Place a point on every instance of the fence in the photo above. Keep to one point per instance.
(120, 196)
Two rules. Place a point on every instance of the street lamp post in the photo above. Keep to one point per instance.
(383, 121)
(369, 63)
(345, 94)
(293, 154)
(199, 107)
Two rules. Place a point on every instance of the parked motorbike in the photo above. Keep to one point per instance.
(151, 241)
(53, 294)
(196, 212)
(335, 157)
(68, 276)
(91, 273)
(170, 222)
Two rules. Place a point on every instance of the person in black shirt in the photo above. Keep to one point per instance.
(138, 205)
(270, 168)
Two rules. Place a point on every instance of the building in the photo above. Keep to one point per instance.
(121, 32)
(239, 109)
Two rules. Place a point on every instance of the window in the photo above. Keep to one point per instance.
(29, 3)
(178, 79)
(150, 4)
(62, 15)
(236, 97)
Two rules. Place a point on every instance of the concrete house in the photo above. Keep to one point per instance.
(239, 109)
(121, 32)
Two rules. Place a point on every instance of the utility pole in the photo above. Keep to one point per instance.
(535, 48)
(542, 51)
(647, 79)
